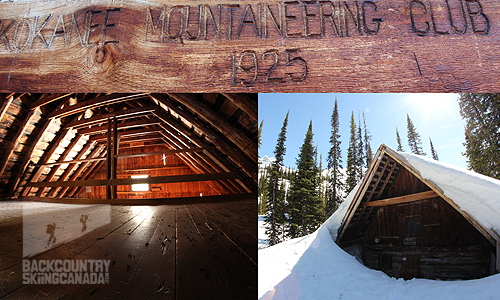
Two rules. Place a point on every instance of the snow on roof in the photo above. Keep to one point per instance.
(475, 194)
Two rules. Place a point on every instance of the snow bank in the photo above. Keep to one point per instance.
(476, 194)
(314, 267)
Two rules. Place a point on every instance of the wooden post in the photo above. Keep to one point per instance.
(116, 143)
(109, 158)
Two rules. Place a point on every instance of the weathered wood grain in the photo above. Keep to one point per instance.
(250, 46)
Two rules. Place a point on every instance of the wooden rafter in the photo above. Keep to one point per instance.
(63, 156)
(248, 166)
(27, 156)
(6, 104)
(53, 145)
(98, 150)
(93, 103)
(214, 119)
(130, 133)
(245, 103)
(120, 114)
(10, 150)
(48, 98)
(402, 199)
(121, 126)
(64, 176)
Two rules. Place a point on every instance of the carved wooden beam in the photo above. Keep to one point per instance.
(250, 46)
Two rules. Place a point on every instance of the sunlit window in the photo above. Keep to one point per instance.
(142, 187)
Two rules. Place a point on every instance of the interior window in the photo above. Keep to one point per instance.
(143, 187)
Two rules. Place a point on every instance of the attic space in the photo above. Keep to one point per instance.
(105, 146)
(128, 196)
(403, 225)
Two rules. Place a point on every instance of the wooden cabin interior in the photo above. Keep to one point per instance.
(400, 225)
(161, 185)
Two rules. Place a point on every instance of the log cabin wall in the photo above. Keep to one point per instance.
(423, 239)
(152, 166)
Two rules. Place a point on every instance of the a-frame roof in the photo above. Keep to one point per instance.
(476, 197)
(54, 140)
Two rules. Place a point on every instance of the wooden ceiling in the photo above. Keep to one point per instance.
(51, 145)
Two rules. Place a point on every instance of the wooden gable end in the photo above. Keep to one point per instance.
(408, 228)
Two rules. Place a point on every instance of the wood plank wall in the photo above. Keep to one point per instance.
(447, 247)
(140, 165)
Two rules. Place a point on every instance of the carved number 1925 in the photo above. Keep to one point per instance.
(247, 66)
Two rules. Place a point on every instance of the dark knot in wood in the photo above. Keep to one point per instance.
(103, 57)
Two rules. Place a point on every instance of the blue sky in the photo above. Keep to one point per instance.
(434, 115)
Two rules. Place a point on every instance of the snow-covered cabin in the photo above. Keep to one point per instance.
(414, 217)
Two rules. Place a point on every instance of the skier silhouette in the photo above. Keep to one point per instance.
(51, 229)
(83, 220)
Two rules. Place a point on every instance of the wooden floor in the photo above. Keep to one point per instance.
(197, 251)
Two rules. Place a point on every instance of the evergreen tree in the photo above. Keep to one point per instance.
(263, 194)
(482, 132)
(433, 152)
(352, 158)
(260, 133)
(368, 148)
(360, 151)
(275, 215)
(414, 140)
(398, 139)
(305, 209)
(335, 184)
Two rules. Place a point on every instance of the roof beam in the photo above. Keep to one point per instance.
(96, 102)
(98, 150)
(48, 98)
(6, 103)
(249, 166)
(15, 141)
(63, 156)
(204, 112)
(129, 133)
(124, 125)
(245, 103)
(130, 181)
(117, 114)
(402, 199)
(27, 155)
(71, 167)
